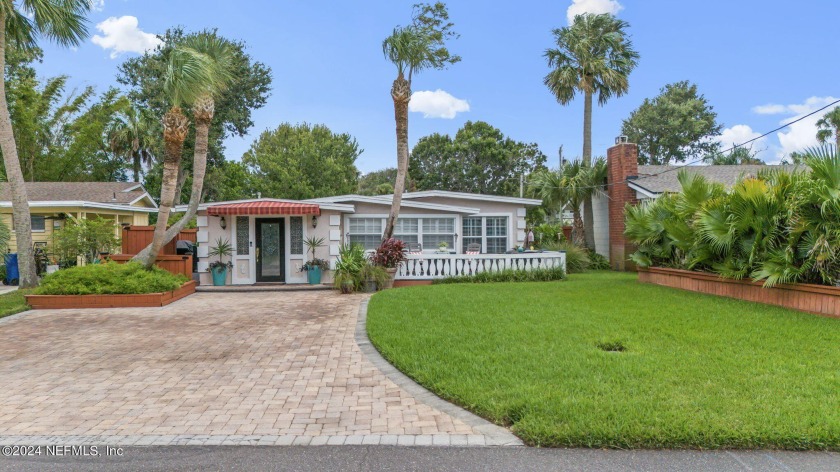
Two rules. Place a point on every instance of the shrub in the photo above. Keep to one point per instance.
(86, 237)
(598, 262)
(577, 258)
(348, 267)
(389, 254)
(776, 227)
(109, 278)
(509, 275)
(548, 234)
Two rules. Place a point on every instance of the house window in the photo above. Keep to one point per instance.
(39, 224)
(438, 230)
(242, 235)
(366, 231)
(491, 232)
(296, 234)
(407, 230)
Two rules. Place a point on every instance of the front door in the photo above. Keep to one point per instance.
(271, 244)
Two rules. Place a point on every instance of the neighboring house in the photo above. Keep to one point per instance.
(267, 234)
(631, 183)
(53, 204)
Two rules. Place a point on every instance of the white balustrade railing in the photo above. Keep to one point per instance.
(437, 266)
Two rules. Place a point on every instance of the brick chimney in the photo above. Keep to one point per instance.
(622, 163)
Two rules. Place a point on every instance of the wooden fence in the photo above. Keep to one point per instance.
(172, 263)
(136, 238)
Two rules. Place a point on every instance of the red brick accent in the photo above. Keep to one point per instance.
(622, 162)
(818, 299)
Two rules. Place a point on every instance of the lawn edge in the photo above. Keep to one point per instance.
(495, 435)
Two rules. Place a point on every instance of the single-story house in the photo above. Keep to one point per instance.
(631, 183)
(51, 204)
(268, 235)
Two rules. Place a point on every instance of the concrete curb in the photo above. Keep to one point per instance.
(494, 435)
(435, 440)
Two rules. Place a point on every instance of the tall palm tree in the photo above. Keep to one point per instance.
(132, 136)
(21, 24)
(191, 75)
(218, 52)
(829, 126)
(593, 55)
(569, 187)
(413, 48)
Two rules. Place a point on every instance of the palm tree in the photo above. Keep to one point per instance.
(132, 136)
(190, 77)
(569, 187)
(413, 48)
(21, 24)
(829, 126)
(593, 55)
(219, 53)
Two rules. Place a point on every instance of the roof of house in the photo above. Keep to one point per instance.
(472, 196)
(659, 179)
(386, 200)
(124, 193)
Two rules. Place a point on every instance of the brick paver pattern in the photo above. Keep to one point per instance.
(283, 364)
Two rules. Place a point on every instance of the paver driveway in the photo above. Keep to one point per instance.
(270, 367)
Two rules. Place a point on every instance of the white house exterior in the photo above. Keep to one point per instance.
(267, 234)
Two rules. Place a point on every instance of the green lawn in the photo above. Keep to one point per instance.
(698, 371)
(13, 302)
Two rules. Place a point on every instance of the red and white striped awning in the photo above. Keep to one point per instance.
(265, 208)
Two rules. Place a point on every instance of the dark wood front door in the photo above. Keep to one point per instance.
(271, 250)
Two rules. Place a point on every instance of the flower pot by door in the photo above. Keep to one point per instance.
(314, 275)
(219, 276)
(392, 272)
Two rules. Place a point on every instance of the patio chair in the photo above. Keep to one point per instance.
(473, 248)
(415, 248)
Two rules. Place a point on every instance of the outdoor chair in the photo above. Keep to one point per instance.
(473, 248)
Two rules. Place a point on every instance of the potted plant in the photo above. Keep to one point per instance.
(443, 246)
(373, 276)
(314, 266)
(219, 269)
(348, 268)
(389, 255)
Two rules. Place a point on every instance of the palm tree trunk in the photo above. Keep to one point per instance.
(136, 166)
(401, 94)
(577, 228)
(837, 139)
(179, 189)
(588, 217)
(176, 126)
(14, 174)
(202, 132)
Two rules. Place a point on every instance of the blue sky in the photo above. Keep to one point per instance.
(758, 62)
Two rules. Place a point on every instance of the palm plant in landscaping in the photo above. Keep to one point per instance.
(198, 70)
(414, 48)
(829, 127)
(131, 135)
(779, 227)
(21, 24)
(593, 55)
(570, 186)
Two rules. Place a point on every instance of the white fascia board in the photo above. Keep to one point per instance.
(81, 204)
(379, 200)
(472, 196)
(642, 190)
(146, 196)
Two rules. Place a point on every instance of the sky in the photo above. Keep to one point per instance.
(759, 63)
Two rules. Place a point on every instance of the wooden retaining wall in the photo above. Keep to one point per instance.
(817, 299)
(174, 264)
(136, 238)
(49, 302)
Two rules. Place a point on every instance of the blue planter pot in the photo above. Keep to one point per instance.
(314, 275)
(219, 276)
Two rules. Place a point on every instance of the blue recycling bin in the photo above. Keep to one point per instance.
(12, 270)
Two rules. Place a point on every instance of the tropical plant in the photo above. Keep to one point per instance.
(593, 55)
(577, 257)
(21, 24)
(348, 268)
(829, 127)
(198, 70)
(312, 243)
(390, 254)
(221, 249)
(570, 187)
(132, 135)
(548, 233)
(776, 227)
(412, 49)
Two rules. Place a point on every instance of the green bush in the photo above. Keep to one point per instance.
(577, 258)
(547, 234)
(598, 262)
(510, 275)
(109, 278)
(776, 227)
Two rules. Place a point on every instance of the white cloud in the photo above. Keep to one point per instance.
(437, 104)
(122, 35)
(97, 5)
(769, 109)
(801, 134)
(579, 7)
(740, 134)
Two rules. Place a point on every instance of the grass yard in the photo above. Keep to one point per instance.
(13, 302)
(697, 371)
